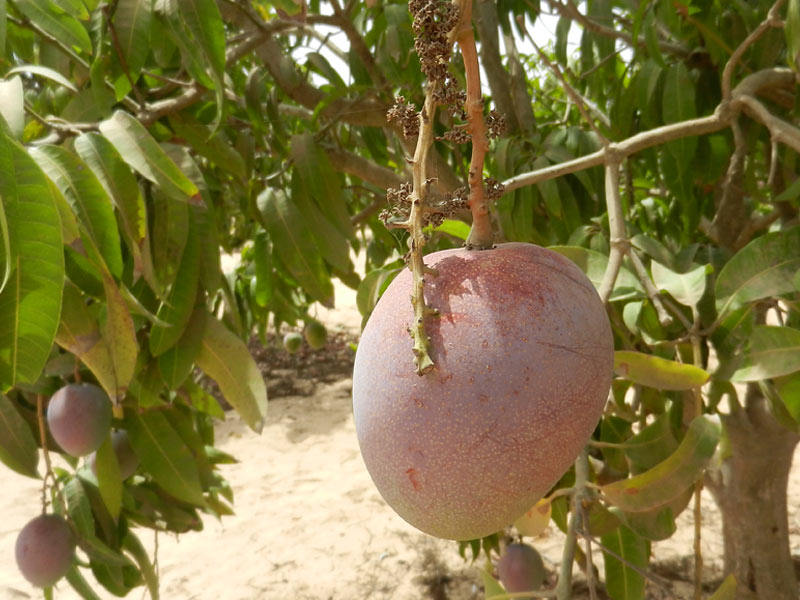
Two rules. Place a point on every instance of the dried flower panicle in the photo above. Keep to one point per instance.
(495, 124)
(406, 114)
(494, 188)
(432, 22)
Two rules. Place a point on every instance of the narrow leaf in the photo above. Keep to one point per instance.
(30, 302)
(656, 372)
(763, 268)
(772, 351)
(132, 20)
(88, 200)
(624, 580)
(726, 590)
(134, 547)
(79, 334)
(138, 148)
(18, 448)
(45, 72)
(295, 244)
(12, 107)
(225, 358)
(164, 455)
(61, 25)
(109, 480)
(177, 309)
(658, 486)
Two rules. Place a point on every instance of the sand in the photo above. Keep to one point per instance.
(309, 524)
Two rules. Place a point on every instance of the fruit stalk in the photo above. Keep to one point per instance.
(480, 236)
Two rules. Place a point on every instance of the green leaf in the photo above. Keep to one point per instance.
(177, 309)
(133, 21)
(455, 228)
(30, 302)
(78, 507)
(61, 25)
(176, 363)
(18, 448)
(295, 244)
(658, 486)
(763, 268)
(686, 288)
(652, 445)
(6, 259)
(121, 185)
(726, 590)
(226, 359)
(203, 22)
(623, 581)
(771, 352)
(2, 28)
(656, 372)
(79, 334)
(119, 332)
(80, 585)
(164, 455)
(109, 480)
(88, 200)
(320, 181)
(12, 107)
(789, 390)
(138, 148)
(491, 587)
(45, 72)
(213, 146)
(169, 234)
(262, 259)
(134, 547)
(594, 264)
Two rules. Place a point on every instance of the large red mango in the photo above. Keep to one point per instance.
(524, 360)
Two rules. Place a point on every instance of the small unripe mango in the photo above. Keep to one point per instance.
(315, 333)
(292, 342)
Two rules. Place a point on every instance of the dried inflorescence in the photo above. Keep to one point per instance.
(435, 211)
(432, 22)
(494, 188)
(495, 124)
(406, 114)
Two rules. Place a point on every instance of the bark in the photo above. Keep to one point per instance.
(750, 490)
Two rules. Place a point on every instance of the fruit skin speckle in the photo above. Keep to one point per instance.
(502, 421)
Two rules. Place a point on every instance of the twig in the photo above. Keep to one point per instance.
(773, 20)
(616, 225)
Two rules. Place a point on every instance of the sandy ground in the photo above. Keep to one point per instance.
(309, 524)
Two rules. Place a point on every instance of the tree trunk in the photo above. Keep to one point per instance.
(750, 490)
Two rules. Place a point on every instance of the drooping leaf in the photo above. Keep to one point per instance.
(30, 302)
(18, 448)
(656, 372)
(12, 107)
(138, 148)
(686, 288)
(45, 72)
(80, 585)
(295, 244)
(623, 580)
(119, 332)
(134, 547)
(79, 333)
(771, 352)
(164, 455)
(262, 258)
(763, 268)
(658, 486)
(58, 23)
(120, 184)
(132, 21)
(169, 234)
(177, 309)
(213, 146)
(225, 358)
(176, 363)
(652, 445)
(78, 507)
(792, 31)
(109, 480)
(594, 264)
(88, 200)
